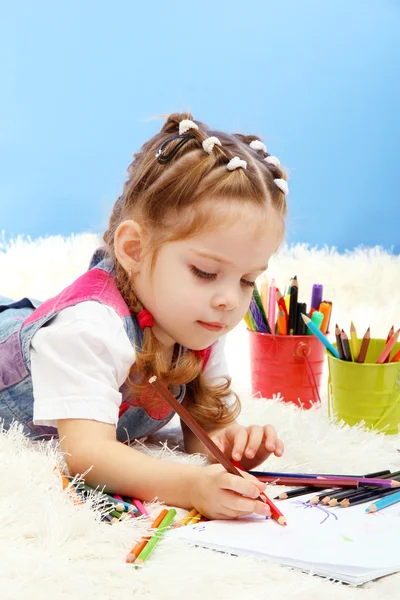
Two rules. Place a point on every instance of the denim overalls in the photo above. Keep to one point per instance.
(20, 320)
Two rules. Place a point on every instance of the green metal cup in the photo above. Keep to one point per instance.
(366, 392)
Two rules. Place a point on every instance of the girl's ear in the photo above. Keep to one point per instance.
(128, 245)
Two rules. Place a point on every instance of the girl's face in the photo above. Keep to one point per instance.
(201, 287)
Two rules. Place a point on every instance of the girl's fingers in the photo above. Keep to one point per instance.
(243, 506)
(237, 435)
(279, 448)
(271, 438)
(247, 485)
(255, 435)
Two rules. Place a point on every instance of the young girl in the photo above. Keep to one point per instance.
(198, 219)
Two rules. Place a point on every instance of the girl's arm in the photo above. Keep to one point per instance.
(215, 493)
(120, 468)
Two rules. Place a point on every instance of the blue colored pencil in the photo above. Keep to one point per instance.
(383, 502)
(314, 329)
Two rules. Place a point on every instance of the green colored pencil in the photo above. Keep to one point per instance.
(153, 541)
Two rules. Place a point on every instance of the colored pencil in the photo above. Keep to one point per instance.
(301, 491)
(316, 295)
(188, 517)
(320, 336)
(388, 348)
(396, 357)
(355, 348)
(316, 318)
(260, 307)
(153, 541)
(329, 482)
(339, 342)
(201, 434)
(282, 323)
(258, 319)
(325, 308)
(366, 497)
(391, 332)
(137, 548)
(194, 520)
(248, 319)
(346, 346)
(338, 494)
(294, 292)
(272, 305)
(264, 294)
(282, 304)
(301, 328)
(140, 507)
(383, 503)
(66, 485)
(364, 346)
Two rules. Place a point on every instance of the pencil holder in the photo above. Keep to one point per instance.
(291, 365)
(366, 392)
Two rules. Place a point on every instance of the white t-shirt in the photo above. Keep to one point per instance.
(80, 359)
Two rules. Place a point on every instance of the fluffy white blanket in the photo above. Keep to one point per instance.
(58, 550)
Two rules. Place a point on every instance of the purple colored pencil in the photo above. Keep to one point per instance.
(316, 295)
(258, 320)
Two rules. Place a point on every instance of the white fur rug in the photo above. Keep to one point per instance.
(51, 548)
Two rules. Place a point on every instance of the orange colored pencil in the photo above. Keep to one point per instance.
(388, 348)
(76, 499)
(137, 548)
(325, 308)
(282, 322)
(396, 357)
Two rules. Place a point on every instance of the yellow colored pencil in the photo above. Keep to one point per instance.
(188, 517)
(354, 345)
(195, 519)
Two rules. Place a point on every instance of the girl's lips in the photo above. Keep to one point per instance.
(211, 326)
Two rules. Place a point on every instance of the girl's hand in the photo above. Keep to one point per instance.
(250, 446)
(217, 494)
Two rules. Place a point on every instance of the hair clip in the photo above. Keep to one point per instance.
(258, 145)
(236, 163)
(209, 143)
(164, 158)
(282, 185)
(185, 125)
(272, 160)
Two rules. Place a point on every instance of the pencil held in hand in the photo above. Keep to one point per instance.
(198, 430)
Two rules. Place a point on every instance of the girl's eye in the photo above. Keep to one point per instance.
(202, 274)
(212, 276)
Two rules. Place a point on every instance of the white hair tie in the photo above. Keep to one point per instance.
(236, 163)
(209, 143)
(258, 145)
(185, 125)
(282, 185)
(272, 160)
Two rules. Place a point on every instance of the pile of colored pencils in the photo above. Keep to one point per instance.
(144, 547)
(271, 312)
(114, 508)
(343, 491)
(352, 350)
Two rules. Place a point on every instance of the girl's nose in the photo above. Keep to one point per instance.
(226, 300)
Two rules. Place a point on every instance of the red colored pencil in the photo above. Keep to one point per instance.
(391, 332)
(388, 348)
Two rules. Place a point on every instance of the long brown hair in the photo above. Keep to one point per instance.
(154, 195)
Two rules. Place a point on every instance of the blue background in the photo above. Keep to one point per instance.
(319, 80)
